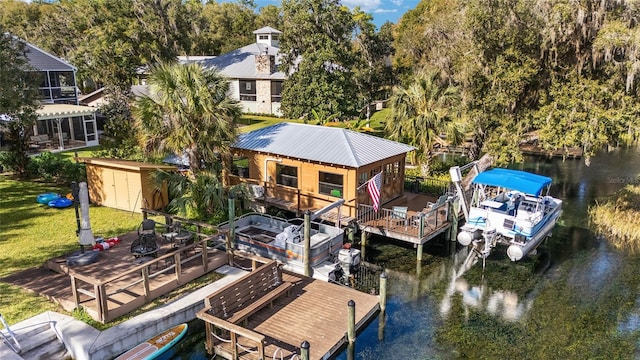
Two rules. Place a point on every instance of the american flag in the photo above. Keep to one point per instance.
(373, 187)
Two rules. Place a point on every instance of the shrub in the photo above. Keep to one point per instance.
(52, 167)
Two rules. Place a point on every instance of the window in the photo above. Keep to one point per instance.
(247, 90)
(240, 167)
(388, 173)
(330, 184)
(275, 37)
(263, 37)
(362, 178)
(61, 78)
(287, 175)
(276, 91)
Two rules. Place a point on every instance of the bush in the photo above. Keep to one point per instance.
(55, 168)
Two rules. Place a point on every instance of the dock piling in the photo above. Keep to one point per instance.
(351, 327)
(304, 350)
(383, 291)
(363, 244)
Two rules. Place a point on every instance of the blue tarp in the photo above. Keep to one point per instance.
(522, 181)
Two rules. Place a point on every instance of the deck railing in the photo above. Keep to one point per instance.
(157, 277)
(418, 224)
(290, 198)
(427, 185)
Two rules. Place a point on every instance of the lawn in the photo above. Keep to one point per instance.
(31, 233)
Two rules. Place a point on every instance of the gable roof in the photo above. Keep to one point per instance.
(43, 61)
(321, 143)
(241, 63)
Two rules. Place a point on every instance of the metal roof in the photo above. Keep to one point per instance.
(267, 30)
(241, 63)
(323, 144)
(43, 61)
(522, 181)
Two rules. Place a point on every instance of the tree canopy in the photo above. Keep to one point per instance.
(188, 110)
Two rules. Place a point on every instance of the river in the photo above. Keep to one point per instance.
(578, 299)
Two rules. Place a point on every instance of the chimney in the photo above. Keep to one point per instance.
(265, 63)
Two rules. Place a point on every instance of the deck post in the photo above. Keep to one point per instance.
(307, 243)
(74, 291)
(419, 252)
(232, 230)
(363, 244)
(351, 325)
(205, 256)
(145, 282)
(383, 291)
(178, 267)
(421, 229)
(304, 350)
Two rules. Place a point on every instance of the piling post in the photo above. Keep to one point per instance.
(453, 219)
(307, 243)
(351, 326)
(304, 350)
(383, 291)
(419, 252)
(351, 351)
(231, 236)
(363, 244)
(350, 234)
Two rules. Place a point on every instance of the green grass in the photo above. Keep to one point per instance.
(31, 233)
(85, 152)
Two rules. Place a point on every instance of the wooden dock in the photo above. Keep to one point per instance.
(314, 311)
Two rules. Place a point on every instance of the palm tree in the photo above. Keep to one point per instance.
(421, 113)
(188, 111)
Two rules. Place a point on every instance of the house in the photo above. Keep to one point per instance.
(301, 167)
(61, 122)
(252, 71)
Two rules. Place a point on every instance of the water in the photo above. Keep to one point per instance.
(578, 299)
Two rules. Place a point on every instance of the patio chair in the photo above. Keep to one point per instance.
(146, 244)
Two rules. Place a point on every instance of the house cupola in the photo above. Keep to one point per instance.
(268, 36)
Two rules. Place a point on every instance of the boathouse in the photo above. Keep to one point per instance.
(298, 167)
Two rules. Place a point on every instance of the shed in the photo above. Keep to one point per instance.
(125, 185)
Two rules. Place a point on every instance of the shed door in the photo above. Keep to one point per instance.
(117, 195)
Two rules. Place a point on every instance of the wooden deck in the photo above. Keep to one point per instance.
(315, 311)
(115, 284)
(416, 225)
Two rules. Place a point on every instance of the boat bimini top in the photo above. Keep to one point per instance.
(528, 183)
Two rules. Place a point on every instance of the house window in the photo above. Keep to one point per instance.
(276, 91)
(287, 175)
(240, 167)
(263, 37)
(247, 90)
(396, 170)
(274, 37)
(330, 184)
(362, 178)
(388, 173)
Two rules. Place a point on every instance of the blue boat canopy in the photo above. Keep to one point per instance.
(528, 183)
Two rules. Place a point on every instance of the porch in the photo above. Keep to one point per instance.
(63, 127)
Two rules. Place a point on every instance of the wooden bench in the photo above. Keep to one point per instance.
(237, 301)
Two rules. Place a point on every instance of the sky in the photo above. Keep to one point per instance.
(382, 10)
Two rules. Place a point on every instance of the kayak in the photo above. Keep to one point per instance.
(155, 346)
